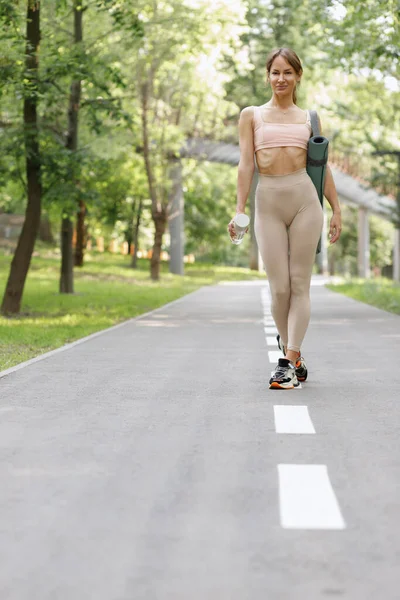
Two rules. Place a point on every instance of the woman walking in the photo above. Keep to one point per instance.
(288, 214)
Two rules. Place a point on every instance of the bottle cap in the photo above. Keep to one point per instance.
(242, 220)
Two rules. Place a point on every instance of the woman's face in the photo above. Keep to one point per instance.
(283, 77)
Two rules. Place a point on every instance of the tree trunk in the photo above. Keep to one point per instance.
(129, 231)
(67, 278)
(136, 235)
(158, 210)
(45, 232)
(80, 234)
(26, 242)
(160, 222)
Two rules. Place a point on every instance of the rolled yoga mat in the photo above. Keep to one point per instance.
(317, 158)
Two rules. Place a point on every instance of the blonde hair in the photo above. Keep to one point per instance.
(291, 58)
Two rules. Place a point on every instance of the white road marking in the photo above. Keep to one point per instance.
(274, 355)
(307, 499)
(271, 341)
(270, 330)
(292, 419)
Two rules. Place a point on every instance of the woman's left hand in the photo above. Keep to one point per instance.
(335, 228)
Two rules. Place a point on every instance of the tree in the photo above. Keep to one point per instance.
(164, 83)
(66, 275)
(26, 242)
(365, 35)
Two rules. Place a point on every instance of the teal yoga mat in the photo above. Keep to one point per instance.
(317, 158)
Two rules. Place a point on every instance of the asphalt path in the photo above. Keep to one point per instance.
(153, 462)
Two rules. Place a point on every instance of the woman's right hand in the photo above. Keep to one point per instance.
(231, 226)
(231, 229)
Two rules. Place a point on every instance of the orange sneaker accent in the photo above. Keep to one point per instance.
(277, 386)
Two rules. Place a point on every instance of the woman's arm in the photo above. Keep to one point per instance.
(330, 192)
(246, 162)
(331, 195)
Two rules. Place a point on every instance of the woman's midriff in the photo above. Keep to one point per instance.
(281, 161)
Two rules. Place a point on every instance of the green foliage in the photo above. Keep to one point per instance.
(210, 196)
(381, 236)
(366, 34)
(380, 292)
(203, 61)
(343, 255)
(9, 13)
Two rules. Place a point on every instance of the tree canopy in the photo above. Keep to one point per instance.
(154, 73)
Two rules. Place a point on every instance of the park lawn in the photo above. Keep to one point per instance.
(382, 293)
(107, 292)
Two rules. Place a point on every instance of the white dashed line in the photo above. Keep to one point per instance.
(274, 356)
(292, 419)
(270, 330)
(307, 499)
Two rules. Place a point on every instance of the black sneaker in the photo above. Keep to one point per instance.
(284, 377)
(301, 369)
(300, 366)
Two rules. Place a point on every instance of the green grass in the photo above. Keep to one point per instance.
(382, 293)
(107, 291)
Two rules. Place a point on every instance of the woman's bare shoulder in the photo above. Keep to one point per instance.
(247, 113)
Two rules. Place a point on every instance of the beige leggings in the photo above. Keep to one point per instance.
(288, 223)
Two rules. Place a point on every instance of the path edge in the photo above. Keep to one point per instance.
(93, 335)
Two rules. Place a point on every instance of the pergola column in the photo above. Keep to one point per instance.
(363, 243)
(396, 255)
(176, 219)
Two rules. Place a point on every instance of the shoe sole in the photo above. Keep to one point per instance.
(282, 386)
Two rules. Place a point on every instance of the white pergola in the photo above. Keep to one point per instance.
(350, 191)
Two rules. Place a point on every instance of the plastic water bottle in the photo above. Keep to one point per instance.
(240, 224)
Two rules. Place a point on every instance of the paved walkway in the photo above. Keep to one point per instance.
(153, 462)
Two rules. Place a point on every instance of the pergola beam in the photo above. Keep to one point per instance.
(350, 191)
